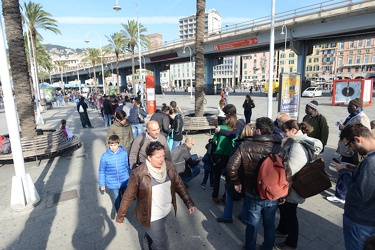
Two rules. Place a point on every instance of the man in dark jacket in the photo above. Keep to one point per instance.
(318, 123)
(250, 155)
(358, 219)
(163, 119)
(82, 111)
(107, 111)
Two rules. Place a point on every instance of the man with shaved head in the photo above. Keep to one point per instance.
(141, 142)
(185, 165)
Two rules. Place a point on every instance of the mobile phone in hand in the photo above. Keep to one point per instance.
(335, 160)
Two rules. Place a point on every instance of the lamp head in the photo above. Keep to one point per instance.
(184, 51)
(282, 32)
(117, 7)
(87, 40)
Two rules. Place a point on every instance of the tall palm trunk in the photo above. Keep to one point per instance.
(117, 73)
(133, 71)
(18, 64)
(199, 58)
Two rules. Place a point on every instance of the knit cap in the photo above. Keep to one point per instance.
(313, 104)
(358, 102)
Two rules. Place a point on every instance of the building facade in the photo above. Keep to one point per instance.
(187, 25)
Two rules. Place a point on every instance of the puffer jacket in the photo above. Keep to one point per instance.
(114, 169)
(250, 155)
(133, 115)
(123, 131)
(301, 149)
(140, 185)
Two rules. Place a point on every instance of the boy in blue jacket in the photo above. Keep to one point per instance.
(114, 170)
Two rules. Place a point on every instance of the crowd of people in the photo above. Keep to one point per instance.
(159, 164)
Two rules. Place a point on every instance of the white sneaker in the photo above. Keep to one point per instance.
(335, 199)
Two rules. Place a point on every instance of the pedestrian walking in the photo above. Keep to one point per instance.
(248, 106)
(82, 110)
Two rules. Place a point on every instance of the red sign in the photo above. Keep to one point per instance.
(150, 94)
(235, 44)
(163, 57)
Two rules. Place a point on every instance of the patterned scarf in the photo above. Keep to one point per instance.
(159, 174)
(352, 116)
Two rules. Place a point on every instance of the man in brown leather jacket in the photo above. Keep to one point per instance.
(250, 155)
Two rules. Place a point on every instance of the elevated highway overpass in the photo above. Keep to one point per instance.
(327, 22)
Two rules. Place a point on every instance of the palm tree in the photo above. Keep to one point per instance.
(61, 65)
(93, 56)
(18, 64)
(199, 58)
(131, 34)
(117, 44)
(37, 18)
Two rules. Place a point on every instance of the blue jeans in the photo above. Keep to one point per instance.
(257, 208)
(194, 170)
(137, 129)
(116, 196)
(228, 209)
(175, 144)
(356, 234)
(107, 120)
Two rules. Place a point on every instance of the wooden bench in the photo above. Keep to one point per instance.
(47, 145)
(192, 123)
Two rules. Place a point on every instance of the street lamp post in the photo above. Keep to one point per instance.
(191, 67)
(118, 8)
(286, 37)
(271, 58)
(101, 55)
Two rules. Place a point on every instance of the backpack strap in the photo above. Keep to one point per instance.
(275, 150)
(141, 145)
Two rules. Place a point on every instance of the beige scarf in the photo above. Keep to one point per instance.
(159, 174)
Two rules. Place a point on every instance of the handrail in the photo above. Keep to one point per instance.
(280, 19)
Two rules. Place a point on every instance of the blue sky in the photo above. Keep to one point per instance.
(78, 17)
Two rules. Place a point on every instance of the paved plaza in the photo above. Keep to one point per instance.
(81, 218)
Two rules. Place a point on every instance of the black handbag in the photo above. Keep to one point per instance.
(312, 179)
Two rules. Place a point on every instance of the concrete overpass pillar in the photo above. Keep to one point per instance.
(82, 78)
(122, 77)
(209, 63)
(157, 78)
(301, 48)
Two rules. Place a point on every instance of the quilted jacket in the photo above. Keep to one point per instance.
(250, 155)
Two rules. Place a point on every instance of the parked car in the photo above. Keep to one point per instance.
(312, 92)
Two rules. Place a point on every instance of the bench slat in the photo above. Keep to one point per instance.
(50, 143)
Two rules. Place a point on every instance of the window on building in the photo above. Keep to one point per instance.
(356, 70)
(291, 54)
(316, 60)
(317, 52)
(368, 43)
(358, 59)
(340, 61)
(351, 45)
(245, 65)
(291, 61)
(365, 59)
(360, 44)
(310, 60)
(342, 45)
(373, 58)
(350, 60)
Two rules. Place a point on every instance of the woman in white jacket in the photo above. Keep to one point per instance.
(301, 149)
